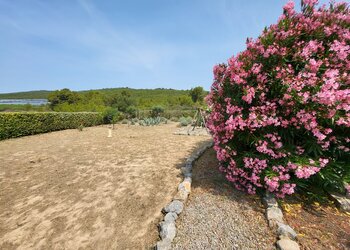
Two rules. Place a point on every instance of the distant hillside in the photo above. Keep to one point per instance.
(37, 94)
(150, 93)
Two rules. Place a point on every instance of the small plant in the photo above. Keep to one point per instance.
(135, 120)
(163, 120)
(185, 121)
(174, 119)
(81, 127)
(125, 121)
(150, 121)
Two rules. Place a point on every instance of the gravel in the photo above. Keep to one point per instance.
(218, 217)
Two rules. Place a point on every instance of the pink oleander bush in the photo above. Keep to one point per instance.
(280, 109)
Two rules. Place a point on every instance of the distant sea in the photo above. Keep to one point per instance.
(24, 101)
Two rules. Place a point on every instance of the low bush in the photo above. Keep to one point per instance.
(152, 121)
(280, 109)
(185, 121)
(30, 123)
(174, 119)
(142, 114)
(111, 115)
(156, 111)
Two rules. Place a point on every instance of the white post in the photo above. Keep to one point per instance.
(109, 132)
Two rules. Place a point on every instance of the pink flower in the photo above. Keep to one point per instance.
(286, 94)
(289, 8)
(310, 2)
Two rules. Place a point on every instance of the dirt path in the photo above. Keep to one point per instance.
(82, 190)
(219, 217)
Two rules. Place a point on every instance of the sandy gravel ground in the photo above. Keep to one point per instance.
(82, 190)
(219, 217)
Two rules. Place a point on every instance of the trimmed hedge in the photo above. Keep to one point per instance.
(30, 123)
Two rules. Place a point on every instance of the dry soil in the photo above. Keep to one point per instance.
(82, 190)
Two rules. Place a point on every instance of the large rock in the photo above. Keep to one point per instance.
(163, 245)
(286, 230)
(167, 230)
(274, 215)
(170, 217)
(341, 201)
(181, 195)
(187, 171)
(269, 200)
(175, 206)
(287, 244)
(185, 185)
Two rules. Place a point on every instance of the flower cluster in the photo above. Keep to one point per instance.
(285, 101)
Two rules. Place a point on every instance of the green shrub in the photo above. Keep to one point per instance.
(174, 119)
(80, 127)
(156, 111)
(151, 121)
(30, 123)
(185, 121)
(131, 112)
(280, 113)
(125, 121)
(110, 115)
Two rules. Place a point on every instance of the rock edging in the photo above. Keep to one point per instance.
(286, 235)
(167, 228)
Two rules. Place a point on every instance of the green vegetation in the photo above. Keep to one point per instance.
(197, 94)
(111, 116)
(185, 121)
(131, 102)
(156, 111)
(152, 121)
(141, 98)
(21, 107)
(30, 123)
(37, 94)
(143, 106)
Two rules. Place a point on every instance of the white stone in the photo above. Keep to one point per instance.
(286, 230)
(175, 206)
(167, 230)
(170, 217)
(163, 245)
(287, 244)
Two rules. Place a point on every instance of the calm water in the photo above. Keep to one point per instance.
(24, 101)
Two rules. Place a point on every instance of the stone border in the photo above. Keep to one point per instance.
(341, 201)
(167, 228)
(287, 236)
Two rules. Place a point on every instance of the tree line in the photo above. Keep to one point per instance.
(125, 100)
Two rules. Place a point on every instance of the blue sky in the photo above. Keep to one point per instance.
(90, 44)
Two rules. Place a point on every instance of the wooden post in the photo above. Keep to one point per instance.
(109, 131)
